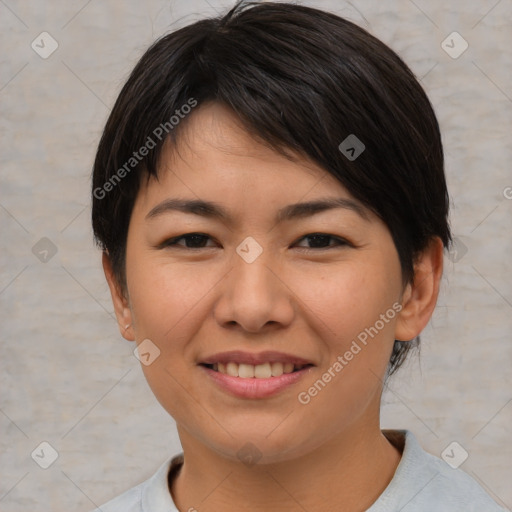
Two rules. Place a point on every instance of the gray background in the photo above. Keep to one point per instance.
(68, 378)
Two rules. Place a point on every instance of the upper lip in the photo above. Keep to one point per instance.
(239, 356)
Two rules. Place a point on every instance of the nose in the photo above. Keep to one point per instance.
(254, 294)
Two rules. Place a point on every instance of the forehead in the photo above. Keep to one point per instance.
(215, 159)
(213, 145)
(213, 131)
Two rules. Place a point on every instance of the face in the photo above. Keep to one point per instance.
(265, 283)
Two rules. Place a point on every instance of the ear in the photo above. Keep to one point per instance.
(120, 302)
(420, 297)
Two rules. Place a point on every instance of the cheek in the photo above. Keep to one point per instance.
(346, 299)
(346, 307)
(163, 296)
(166, 303)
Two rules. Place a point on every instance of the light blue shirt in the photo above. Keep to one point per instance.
(421, 483)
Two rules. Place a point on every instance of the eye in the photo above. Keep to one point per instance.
(198, 240)
(321, 241)
(192, 241)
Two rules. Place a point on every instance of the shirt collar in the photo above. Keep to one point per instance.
(413, 467)
(156, 495)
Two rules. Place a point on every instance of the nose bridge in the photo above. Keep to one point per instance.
(253, 295)
(252, 274)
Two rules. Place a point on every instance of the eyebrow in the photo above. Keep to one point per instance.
(213, 210)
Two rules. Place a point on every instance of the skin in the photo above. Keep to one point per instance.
(329, 454)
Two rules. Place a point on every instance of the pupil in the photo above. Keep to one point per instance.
(195, 239)
(317, 238)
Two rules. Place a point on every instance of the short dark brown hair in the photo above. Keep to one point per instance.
(299, 79)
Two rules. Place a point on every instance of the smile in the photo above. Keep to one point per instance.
(259, 371)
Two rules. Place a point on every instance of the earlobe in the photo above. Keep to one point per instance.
(120, 302)
(420, 296)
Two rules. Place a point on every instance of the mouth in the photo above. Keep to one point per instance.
(260, 371)
(251, 376)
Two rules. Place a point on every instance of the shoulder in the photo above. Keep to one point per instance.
(129, 501)
(456, 488)
(423, 482)
(151, 495)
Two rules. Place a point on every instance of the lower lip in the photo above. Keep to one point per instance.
(253, 387)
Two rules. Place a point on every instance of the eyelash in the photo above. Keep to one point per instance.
(172, 242)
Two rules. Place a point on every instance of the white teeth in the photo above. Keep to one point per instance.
(232, 369)
(245, 371)
(259, 371)
(277, 369)
(263, 371)
(288, 367)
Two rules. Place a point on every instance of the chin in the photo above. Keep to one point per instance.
(250, 446)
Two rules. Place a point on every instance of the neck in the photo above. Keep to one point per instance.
(347, 473)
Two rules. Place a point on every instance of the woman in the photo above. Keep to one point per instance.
(270, 198)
